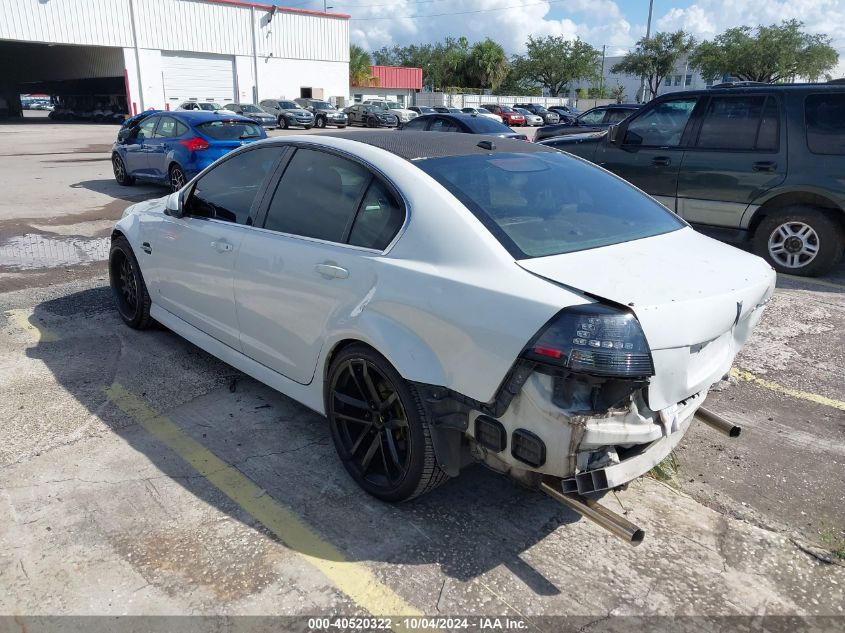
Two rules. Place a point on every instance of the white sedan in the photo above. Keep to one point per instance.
(444, 298)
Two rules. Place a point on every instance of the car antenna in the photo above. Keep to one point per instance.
(486, 145)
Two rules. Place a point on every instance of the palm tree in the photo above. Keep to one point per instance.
(488, 64)
(360, 72)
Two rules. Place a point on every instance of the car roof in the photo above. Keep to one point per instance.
(203, 116)
(412, 145)
(758, 88)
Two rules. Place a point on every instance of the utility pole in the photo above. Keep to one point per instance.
(601, 79)
(647, 35)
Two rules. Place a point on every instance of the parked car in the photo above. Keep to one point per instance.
(422, 109)
(548, 116)
(206, 106)
(371, 116)
(288, 113)
(606, 319)
(464, 123)
(447, 110)
(324, 113)
(254, 112)
(482, 112)
(394, 107)
(562, 110)
(599, 118)
(172, 147)
(760, 165)
(530, 118)
(508, 115)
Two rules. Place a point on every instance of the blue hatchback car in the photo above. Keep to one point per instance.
(172, 147)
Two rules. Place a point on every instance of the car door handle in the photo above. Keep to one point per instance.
(221, 246)
(661, 161)
(765, 165)
(331, 271)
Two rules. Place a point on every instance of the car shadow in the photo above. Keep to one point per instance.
(138, 192)
(467, 527)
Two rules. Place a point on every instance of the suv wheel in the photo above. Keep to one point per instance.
(380, 429)
(800, 240)
(283, 122)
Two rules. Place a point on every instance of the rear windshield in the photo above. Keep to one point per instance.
(543, 204)
(825, 117)
(230, 130)
(483, 124)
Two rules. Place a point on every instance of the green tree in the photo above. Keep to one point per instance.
(487, 65)
(554, 62)
(360, 72)
(618, 93)
(770, 54)
(517, 84)
(655, 57)
(443, 64)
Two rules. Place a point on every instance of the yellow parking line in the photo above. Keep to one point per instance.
(353, 579)
(25, 320)
(813, 281)
(788, 391)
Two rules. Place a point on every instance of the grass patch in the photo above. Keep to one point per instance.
(834, 541)
(666, 470)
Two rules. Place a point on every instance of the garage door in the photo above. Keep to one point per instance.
(194, 76)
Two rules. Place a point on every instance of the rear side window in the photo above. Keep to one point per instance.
(542, 203)
(825, 118)
(229, 189)
(443, 125)
(740, 123)
(317, 196)
(230, 130)
(378, 219)
(416, 124)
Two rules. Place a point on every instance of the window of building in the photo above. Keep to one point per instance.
(688, 81)
(677, 80)
(357, 98)
(668, 81)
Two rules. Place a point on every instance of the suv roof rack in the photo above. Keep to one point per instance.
(739, 84)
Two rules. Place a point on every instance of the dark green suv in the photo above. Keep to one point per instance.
(764, 164)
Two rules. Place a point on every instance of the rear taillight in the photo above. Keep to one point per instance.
(194, 144)
(594, 339)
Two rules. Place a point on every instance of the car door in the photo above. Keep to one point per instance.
(651, 149)
(193, 256)
(323, 228)
(136, 148)
(165, 139)
(737, 155)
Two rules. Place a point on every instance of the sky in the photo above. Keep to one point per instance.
(614, 23)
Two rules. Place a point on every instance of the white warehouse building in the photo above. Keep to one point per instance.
(160, 53)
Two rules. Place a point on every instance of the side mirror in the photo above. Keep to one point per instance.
(173, 207)
(123, 134)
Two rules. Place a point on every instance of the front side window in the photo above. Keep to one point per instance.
(824, 115)
(543, 204)
(145, 130)
(594, 117)
(661, 126)
(167, 128)
(317, 196)
(416, 124)
(739, 123)
(228, 191)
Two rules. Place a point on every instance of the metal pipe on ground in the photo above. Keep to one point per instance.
(617, 525)
(718, 422)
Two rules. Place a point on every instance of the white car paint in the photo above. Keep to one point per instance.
(530, 118)
(483, 112)
(452, 308)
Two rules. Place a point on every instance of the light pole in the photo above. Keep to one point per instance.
(647, 35)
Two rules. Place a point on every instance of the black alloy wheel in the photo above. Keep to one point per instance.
(128, 287)
(379, 427)
(177, 178)
(120, 174)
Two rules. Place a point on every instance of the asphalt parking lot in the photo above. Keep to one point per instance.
(139, 475)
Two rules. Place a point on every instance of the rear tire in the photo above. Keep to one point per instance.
(127, 283)
(176, 178)
(384, 441)
(800, 240)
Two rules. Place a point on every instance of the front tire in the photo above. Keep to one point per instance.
(283, 123)
(800, 240)
(379, 426)
(320, 123)
(127, 283)
(121, 176)
(371, 122)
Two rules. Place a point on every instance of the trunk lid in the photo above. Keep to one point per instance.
(696, 299)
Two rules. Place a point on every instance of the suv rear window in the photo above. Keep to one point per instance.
(825, 118)
(543, 204)
(230, 130)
